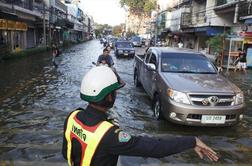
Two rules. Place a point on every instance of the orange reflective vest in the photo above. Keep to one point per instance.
(88, 136)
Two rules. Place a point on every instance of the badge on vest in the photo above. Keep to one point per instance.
(123, 137)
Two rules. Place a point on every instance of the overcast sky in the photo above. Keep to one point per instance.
(104, 11)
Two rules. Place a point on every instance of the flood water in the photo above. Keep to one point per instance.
(36, 97)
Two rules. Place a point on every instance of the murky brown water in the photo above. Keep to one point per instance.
(35, 98)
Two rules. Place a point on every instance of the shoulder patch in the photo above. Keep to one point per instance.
(123, 136)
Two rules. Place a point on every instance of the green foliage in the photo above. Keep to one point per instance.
(117, 30)
(139, 7)
(216, 43)
(100, 28)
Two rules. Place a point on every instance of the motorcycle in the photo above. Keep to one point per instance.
(113, 69)
(100, 64)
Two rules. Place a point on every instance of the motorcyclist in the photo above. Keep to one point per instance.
(105, 58)
(105, 43)
(90, 139)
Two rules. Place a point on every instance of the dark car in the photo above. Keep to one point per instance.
(137, 41)
(124, 49)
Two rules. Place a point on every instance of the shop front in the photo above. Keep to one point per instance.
(203, 34)
(244, 41)
(247, 45)
(13, 35)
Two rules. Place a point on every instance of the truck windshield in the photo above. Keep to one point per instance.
(124, 45)
(186, 63)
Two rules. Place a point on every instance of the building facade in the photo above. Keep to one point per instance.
(30, 23)
(194, 22)
(138, 24)
(21, 23)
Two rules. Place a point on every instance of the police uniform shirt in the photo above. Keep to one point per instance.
(117, 142)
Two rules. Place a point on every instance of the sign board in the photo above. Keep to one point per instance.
(3, 24)
(247, 41)
(246, 34)
(12, 25)
(21, 26)
(249, 57)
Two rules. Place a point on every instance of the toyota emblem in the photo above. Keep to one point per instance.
(213, 100)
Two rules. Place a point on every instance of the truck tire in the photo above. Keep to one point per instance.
(136, 80)
(157, 108)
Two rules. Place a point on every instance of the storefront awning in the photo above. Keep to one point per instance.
(246, 34)
(210, 31)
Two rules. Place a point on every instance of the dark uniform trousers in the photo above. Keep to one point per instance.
(117, 142)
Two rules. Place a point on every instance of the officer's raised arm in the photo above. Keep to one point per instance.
(122, 143)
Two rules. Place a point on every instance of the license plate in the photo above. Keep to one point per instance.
(126, 54)
(213, 119)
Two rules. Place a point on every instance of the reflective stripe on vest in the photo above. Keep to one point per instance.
(88, 137)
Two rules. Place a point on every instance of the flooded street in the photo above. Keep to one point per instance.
(35, 98)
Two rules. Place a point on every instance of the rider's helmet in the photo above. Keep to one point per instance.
(97, 84)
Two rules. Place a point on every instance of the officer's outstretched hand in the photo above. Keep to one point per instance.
(203, 150)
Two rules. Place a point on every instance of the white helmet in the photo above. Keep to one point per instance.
(98, 83)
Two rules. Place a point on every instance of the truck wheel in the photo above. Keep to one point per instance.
(136, 81)
(157, 108)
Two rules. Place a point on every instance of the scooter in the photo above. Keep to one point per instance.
(100, 64)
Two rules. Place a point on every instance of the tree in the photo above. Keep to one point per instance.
(215, 43)
(118, 30)
(100, 29)
(139, 7)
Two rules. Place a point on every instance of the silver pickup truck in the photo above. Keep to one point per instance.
(186, 88)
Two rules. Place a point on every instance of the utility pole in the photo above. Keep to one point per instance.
(156, 29)
(156, 24)
(44, 25)
(223, 43)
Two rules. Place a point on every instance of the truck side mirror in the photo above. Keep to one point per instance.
(151, 66)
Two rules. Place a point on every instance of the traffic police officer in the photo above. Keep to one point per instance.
(89, 139)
